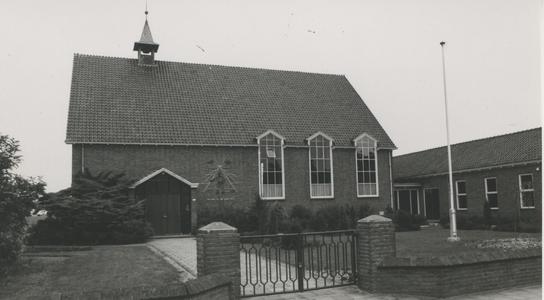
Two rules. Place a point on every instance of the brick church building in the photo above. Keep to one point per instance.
(194, 134)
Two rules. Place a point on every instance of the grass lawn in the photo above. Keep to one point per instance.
(104, 267)
(432, 241)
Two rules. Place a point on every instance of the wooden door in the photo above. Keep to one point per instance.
(168, 204)
(163, 212)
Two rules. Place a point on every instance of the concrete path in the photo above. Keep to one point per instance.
(181, 253)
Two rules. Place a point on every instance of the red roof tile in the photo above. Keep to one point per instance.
(519, 147)
(113, 100)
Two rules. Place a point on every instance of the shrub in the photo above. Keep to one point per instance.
(464, 223)
(277, 219)
(360, 212)
(531, 226)
(338, 217)
(405, 221)
(261, 217)
(318, 221)
(445, 221)
(95, 210)
(226, 212)
(470, 223)
(419, 219)
(257, 215)
(17, 199)
(265, 217)
(330, 217)
(301, 215)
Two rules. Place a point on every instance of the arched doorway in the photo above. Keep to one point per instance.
(167, 202)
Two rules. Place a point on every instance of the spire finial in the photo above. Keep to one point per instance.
(146, 11)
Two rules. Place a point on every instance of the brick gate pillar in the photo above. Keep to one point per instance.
(218, 251)
(375, 240)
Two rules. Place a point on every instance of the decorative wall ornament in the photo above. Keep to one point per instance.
(219, 176)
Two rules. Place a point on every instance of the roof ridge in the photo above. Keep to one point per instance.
(211, 65)
(471, 141)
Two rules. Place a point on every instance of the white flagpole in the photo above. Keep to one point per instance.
(453, 221)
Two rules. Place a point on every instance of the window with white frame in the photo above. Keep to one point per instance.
(526, 191)
(461, 195)
(271, 166)
(491, 192)
(321, 179)
(367, 162)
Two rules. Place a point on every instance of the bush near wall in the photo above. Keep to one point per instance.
(266, 217)
(405, 221)
(95, 210)
(269, 217)
(533, 225)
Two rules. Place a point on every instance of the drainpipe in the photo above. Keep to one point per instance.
(391, 175)
(82, 158)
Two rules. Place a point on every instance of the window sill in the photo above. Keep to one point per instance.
(494, 208)
(462, 209)
(366, 197)
(530, 207)
(273, 199)
(322, 198)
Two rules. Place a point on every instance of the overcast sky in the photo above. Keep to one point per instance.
(389, 51)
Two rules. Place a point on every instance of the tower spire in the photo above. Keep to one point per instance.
(146, 45)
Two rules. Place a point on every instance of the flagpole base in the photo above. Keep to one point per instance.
(453, 239)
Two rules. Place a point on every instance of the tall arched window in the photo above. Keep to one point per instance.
(271, 165)
(321, 179)
(367, 166)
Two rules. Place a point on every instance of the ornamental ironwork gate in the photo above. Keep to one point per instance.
(284, 263)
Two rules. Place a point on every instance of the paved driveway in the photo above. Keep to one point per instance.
(181, 253)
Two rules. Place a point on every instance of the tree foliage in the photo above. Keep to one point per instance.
(17, 199)
(95, 210)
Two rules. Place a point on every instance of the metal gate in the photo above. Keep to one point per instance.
(283, 263)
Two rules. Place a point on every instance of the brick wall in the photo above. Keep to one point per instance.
(380, 271)
(211, 287)
(191, 163)
(453, 275)
(507, 185)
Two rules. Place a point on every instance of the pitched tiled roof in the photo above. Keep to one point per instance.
(113, 100)
(514, 148)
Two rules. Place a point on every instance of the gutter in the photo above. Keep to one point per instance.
(475, 169)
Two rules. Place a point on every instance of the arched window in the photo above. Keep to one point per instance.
(367, 166)
(271, 165)
(321, 176)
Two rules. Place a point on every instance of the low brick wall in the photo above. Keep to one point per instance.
(453, 275)
(380, 271)
(211, 287)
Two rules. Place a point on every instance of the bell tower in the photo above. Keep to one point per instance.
(146, 47)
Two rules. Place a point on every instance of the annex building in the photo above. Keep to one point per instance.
(504, 170)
